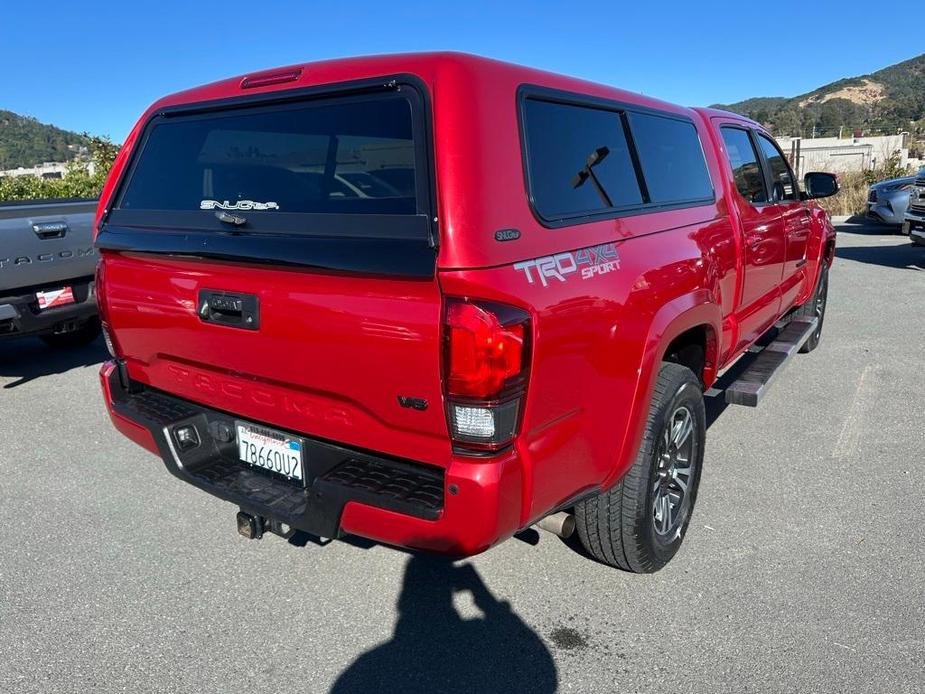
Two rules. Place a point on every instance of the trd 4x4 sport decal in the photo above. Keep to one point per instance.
(596, 260)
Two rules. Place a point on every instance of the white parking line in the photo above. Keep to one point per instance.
(850, 435)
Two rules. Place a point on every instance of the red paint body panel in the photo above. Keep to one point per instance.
(329, 359)
(127, 427)
(334, 351)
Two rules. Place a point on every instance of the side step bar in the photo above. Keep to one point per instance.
(753, 383)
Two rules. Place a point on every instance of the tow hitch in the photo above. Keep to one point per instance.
(253, 527)
(65, 327)
(250, 526)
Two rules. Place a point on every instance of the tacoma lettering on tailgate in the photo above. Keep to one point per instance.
(216, 385)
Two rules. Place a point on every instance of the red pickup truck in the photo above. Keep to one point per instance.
(435, 299)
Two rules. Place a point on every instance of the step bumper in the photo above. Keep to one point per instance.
(459, 509)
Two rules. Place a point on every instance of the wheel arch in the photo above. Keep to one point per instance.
(820, 250)
(690, 320)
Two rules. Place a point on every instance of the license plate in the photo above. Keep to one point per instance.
(906, 228)
(271, 450)
(55, 297)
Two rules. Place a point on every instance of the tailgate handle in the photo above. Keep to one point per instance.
(229, 309)
(50, 230)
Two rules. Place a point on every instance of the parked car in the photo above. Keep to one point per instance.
(887, 200)
(914, 221)
(524, 336)
(47, 261)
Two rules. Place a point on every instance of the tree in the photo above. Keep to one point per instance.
(77, 182)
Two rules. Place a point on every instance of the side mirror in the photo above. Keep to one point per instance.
(819, 185)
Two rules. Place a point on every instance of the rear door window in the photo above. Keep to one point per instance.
(280, 167)
(671, 157)
(784, 187)
(746, 172)
(578, 160)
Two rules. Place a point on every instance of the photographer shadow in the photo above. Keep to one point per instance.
(435, 649)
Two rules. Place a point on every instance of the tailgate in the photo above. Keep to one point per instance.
(276, 261)
(330, 358)
(44, 244)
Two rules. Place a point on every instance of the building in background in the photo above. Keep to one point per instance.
(843, 155)
(48, 169)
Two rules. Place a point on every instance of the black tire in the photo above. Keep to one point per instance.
(621, 526)
(815, 307)
(81, 337)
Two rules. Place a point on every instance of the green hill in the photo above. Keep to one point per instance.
(26, 142)
(886, 101)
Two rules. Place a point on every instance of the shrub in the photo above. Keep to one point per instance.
(77, 181)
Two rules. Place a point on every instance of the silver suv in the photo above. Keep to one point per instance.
(887, 200)
(914, 222)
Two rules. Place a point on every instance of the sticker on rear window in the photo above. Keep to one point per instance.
(596, 260)
(239, 205)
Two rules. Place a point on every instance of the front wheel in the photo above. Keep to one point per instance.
(639, 524)
(815, 308)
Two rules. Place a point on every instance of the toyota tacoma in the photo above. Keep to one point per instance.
(47, 261)
(435, 299)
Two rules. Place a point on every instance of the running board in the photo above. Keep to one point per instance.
(753, 383)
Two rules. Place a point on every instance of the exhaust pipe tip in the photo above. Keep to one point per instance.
(561, 524)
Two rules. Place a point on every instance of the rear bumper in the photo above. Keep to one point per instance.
(20, 315)
(460, 509)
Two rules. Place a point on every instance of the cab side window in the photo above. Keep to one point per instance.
(783, 185)
(579, 160)
(746, 172)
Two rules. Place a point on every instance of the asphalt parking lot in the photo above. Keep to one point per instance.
(803, 569)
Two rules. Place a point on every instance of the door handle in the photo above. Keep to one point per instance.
(232, 310)
(50, 230)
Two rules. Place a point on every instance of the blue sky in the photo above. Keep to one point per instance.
(95, 66)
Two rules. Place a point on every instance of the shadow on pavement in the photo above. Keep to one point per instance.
(435, 649)
(28, 358)
(862, 227)
(904, 256)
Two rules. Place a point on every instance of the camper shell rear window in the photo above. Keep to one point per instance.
(342, 166)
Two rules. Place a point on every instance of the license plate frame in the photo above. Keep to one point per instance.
(271, 450)
(51, 298)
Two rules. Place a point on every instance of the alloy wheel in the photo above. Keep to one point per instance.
(673, 474)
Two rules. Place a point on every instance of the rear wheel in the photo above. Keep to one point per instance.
(81, 337)
(815, 308)
(639, 524)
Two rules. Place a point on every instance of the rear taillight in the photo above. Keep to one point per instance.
(99, 288)
(486, 363)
